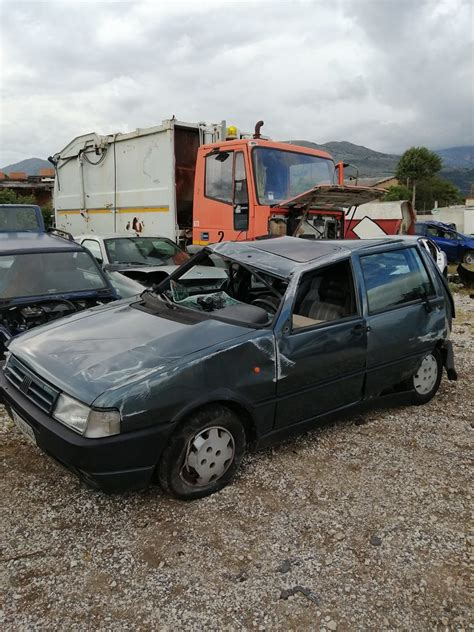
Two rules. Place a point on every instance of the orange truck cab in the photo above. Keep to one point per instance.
(253, 188)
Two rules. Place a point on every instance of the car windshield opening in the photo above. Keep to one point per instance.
(217, 287)
(280, 174)
(44, 273)
(146, 251)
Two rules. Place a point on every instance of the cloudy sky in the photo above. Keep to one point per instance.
(386, 74)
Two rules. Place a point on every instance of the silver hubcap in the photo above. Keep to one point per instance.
(425, 378)
(208, 456)
(469, 258)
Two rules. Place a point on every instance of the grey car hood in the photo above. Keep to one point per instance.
(89, 353)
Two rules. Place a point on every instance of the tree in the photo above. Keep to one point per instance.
(397, 192)
(415, 165)
(435, 189)
(8, 196)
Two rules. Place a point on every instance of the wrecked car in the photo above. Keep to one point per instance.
(174, 385)
(44, 277)
(458, 247)
(133, 263)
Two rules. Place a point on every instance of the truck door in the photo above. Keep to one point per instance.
(222, 207)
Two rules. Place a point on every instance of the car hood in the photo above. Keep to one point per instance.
(89, 353)
(333, 197)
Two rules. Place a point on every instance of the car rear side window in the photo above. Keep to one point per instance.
(394, 278)
(93, 247)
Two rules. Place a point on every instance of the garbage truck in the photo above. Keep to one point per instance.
(201, 183)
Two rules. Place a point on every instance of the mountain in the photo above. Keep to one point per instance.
(371, 164)
(457, 157)
(31, 166)
(458, 162)
(463, 179)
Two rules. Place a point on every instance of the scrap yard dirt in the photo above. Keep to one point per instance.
(362, 524)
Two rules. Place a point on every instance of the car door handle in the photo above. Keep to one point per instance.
(360, 329)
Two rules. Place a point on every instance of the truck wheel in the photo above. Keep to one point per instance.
(425, 383)
(203, 455)
(468, 257)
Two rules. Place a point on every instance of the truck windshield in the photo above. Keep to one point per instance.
(18, 218)
(280, 174)
(146, 251)
(44, 273)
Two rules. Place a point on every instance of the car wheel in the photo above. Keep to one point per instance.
(426, 381)
(468, 257)
(203, 455)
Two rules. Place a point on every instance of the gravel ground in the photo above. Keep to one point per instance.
(361, 524)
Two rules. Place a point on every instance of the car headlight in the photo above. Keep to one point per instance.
(103, 423)
(90, 423)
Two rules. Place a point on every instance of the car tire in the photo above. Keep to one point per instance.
(203, 455)
(468, 257)
(425, 382)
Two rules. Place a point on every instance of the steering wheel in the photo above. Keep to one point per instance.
(266, 304)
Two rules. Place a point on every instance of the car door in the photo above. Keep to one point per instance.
(447, 240)
(404, 313)
(321, 348)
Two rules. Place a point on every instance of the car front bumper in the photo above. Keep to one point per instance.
(118, 463)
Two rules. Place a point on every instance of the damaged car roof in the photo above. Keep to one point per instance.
(282, 255)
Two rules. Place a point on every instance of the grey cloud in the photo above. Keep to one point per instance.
(386, 74)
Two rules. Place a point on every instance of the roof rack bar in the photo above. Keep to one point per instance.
(61, 233)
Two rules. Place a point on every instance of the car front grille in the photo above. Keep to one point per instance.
(30, 385)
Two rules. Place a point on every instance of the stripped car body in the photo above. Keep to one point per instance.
(299, 329)
(133, 263)
(44, 277)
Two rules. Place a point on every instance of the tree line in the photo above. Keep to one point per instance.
(417, 174)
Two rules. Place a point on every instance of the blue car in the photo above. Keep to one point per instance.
(43, 277)
(458, 247)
